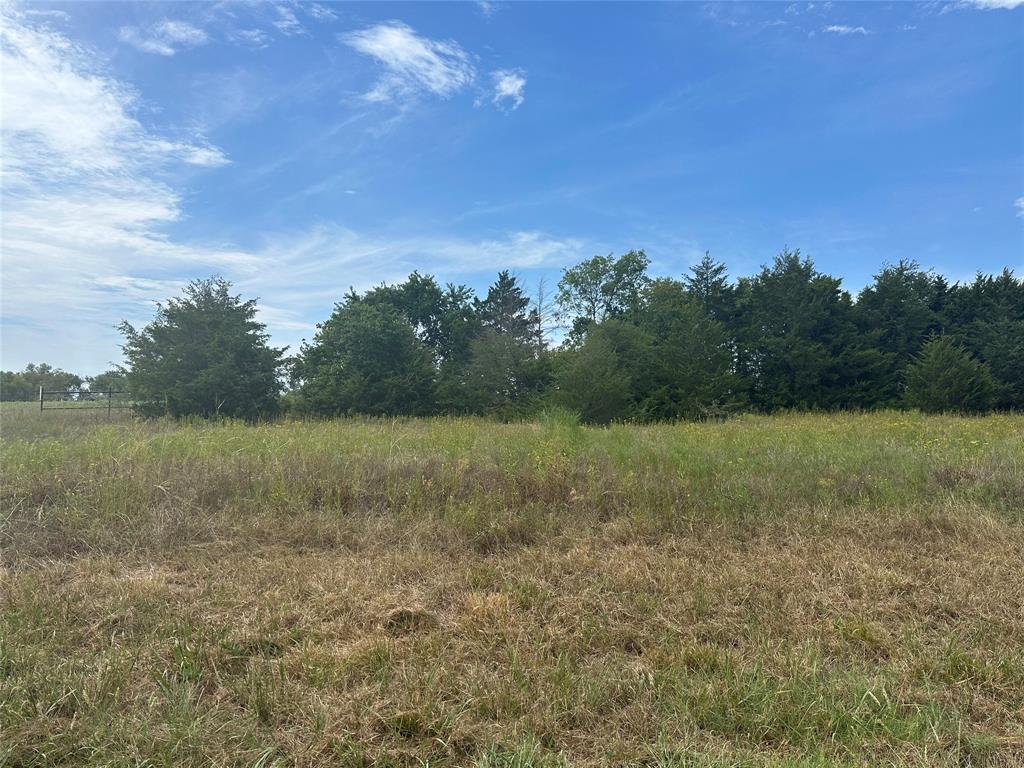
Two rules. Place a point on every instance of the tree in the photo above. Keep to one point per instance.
(204, 354)
(445, 320)
(544, 308)
(599, 380)
(506, 366)
(708, 283)
(797, 344)
(24, 385)
(602, 287)
(505, 375)
(987, 318)
(114, 380)
(367, 359)
(945, 377)
(690, 373)
(506, 310)
(897, 313)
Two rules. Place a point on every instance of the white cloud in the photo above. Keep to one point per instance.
(314, 267)
(487, 8)
(413, 64)
(84, 206)
(843, 29)
(208, 157)
(991, 5)
(255, 38)
(87, 206)
(321, 12)
(165, 38)
(287, 23)
(509, 85)
(1019, 205)
(61, 15)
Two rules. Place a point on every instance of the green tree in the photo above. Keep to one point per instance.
(367, 359)
(603, 379)
(987, 318)
(602, 287)
(114, 380)
(797, 343)
(203, 354)
(24, 385)
(505, 376)
(506, 310)
(945, 377)
(708, 284)
(690, 373)
(507, 368)
(897, 313)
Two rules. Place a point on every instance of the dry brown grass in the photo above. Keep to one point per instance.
(392, 633)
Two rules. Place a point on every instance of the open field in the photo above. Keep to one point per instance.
(768, 591)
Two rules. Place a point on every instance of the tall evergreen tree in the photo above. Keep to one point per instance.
(691, 367)
(507, 367)
(506, 310)
(797, 344)
(897, 313)
(708, 283)
(604, 378)
(945, 377)
(987, 318)
(203, 354)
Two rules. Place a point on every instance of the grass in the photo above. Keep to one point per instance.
(805, 590)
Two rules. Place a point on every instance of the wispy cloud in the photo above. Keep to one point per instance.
(413, 64)
(61, 15)
(164, 38)
(843, 29)
(991, 5)
(509, 85)
(308, 270)
(287, 22)
(254, 38)
(87, 209)
(487, 8)
(1019, 205)
(314, 267)
(84, 200)
(321, 12)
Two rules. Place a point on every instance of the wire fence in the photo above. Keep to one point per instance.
(83, 400)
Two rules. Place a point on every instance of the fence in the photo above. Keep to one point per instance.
(82, 400)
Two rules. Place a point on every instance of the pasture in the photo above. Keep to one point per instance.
(802, 590)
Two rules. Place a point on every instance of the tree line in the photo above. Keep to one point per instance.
(629, 346)
(25, 384)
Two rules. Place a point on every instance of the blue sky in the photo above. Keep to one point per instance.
(300, 149)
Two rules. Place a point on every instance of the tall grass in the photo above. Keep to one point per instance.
(796, 590)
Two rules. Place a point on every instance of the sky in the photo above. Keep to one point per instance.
(301, 149)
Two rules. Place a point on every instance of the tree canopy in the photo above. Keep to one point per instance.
(203, 354)
(631, 346)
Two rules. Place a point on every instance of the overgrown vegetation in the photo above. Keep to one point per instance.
(794, 590)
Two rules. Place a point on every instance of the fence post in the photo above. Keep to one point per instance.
(40, 399)
(110, 399)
